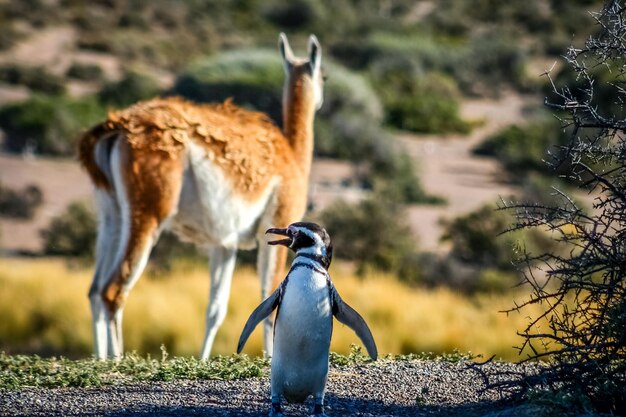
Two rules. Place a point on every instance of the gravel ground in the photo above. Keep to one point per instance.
(385, 388)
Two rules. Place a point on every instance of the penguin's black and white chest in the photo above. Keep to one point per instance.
(304, 322)
(302, 334)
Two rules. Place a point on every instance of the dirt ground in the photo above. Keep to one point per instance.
(447, 167)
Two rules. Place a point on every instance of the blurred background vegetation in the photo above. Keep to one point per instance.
(393, 66)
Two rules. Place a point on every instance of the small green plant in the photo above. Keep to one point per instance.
(134, 87)
(20, 204)
(372, 233)
(481, 257)
(85, 72)
(455, 356)
(522, 149)
(355, 357)
(73, 233)
(48, 124)
(20, 371)
(170, 249)
(10, 34)
(561, 401)
(35, 78)
(475, 240)
(425, 104)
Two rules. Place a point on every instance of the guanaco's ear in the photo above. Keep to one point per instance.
(315, 54)
(285, 51)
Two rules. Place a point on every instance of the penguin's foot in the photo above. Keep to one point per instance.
(318, 411)
(276, 410)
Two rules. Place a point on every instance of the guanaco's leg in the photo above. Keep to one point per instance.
(222, 264)
(271, 269)
(147, 185)
(109, 223)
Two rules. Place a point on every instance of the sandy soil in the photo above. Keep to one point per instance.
(448, 168)
(62, 181)
(46, 47)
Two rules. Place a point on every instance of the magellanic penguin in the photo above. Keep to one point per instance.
(306, 302)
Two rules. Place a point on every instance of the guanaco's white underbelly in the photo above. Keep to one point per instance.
(302, 336)
(210, 213)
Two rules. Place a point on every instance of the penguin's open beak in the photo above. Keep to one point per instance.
(283, 232)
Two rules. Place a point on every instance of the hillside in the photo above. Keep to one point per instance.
(416, 75)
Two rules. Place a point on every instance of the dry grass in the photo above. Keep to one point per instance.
(170, 311)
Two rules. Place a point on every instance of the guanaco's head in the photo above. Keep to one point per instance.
(304, 74)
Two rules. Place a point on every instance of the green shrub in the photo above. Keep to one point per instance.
(72, 233)
(545, 21)
(130, 89)
(541, 189)
(254, 78)
(20, 204)
(435, 270)
(10, 34)
(427, 104)
(478, 239)
(490, 63)
(475, 240)
(165, 49)
(392, 173)
(85, 72)
(523, 148)
(444, 270)
(332, 19)
(294, 14)
(50, 124)
(372, 233)
(35, 78)
(480, 66)
(169, 249)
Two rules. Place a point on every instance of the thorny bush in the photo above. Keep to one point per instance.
(583, 291)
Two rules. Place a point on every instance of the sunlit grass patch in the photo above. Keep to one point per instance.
(45, 310)
(21, 371)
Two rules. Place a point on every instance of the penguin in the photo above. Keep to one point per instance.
(305, 303)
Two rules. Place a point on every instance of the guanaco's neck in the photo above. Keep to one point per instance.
(298, 116)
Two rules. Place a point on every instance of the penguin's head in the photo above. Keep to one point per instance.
(306, 238)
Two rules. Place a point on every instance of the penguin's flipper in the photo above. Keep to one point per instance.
(258, 315)
(348, 316)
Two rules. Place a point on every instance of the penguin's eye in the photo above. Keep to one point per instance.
(302, 240)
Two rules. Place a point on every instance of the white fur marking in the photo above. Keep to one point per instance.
(210, 213)
(222, 263)
(122, 243)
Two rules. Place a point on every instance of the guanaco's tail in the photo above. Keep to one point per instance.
(94, 153)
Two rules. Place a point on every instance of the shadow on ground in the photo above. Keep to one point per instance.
(337, 406)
